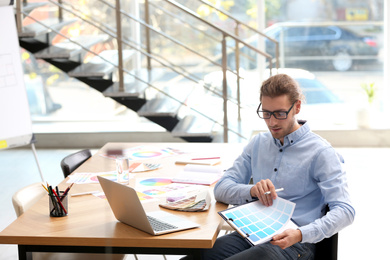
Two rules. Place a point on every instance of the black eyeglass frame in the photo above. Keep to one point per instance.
(259, 112)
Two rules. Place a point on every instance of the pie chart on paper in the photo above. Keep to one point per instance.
(155, 182)
(146, 154)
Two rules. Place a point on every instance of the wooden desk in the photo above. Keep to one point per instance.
(91, 226)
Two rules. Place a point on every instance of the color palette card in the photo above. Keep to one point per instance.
(200, 201)
(258, 223)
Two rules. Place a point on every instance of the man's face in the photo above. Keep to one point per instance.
(279, 128)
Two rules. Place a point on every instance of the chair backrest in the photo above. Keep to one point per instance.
(74, 160)
(24, 198)
(327, 248)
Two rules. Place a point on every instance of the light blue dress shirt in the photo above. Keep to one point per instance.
(310, 171)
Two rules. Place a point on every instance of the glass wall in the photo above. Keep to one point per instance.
(333, 48)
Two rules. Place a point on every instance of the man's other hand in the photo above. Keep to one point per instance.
(287, 238)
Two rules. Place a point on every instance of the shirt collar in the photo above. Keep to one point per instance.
(290, 139)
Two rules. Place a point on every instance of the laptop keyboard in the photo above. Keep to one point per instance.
(159, 225)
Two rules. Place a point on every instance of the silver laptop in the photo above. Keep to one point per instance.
(128, 209)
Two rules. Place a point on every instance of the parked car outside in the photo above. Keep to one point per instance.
(299, 44)
(315, 91)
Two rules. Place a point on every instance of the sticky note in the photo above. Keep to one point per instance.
(3, 144)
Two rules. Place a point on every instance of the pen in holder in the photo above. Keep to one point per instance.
(122, 169)
(58, 204)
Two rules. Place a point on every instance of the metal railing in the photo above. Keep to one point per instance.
(148, 53)
(238, 25)
(225, 34)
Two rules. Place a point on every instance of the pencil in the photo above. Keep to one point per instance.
(59, 201)
(55, 204)
(45, 187)
(67, 190)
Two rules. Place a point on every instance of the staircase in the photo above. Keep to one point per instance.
(134, 72)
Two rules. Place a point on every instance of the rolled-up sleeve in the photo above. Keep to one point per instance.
(332, 180)
(233, 187)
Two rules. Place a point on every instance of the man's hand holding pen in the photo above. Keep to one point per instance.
(265, 191)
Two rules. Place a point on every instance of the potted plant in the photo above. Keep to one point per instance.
(365, 113)
(370, 90)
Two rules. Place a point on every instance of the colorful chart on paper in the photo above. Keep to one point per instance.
(162, 190)
(141, 196)
(146, 152)
(155, 182)
(154, 192)
(110, 176)
(258, 222)
(86, 177)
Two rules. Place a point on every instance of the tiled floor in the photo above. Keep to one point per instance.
(368, 175)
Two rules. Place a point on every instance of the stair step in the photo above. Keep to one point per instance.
(68, 49)
(131, 89)
(133, 83)
(28, 7)
(162, 111)
(194, 126)
(36, 29)
(160, 106)
(163, 104)
(98, 67)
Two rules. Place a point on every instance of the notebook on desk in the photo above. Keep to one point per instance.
(128, 209)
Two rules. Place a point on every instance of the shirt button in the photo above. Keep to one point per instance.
(299, 255)
(292, 141)
(275, 170)
(281, 150)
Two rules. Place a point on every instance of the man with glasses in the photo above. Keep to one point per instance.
(292, 157)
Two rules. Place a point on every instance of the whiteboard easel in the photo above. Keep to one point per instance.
(15, 119)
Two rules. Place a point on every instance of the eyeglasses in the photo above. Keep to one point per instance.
(277, 114)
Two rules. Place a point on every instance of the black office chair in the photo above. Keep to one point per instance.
(327, 248)
(74, 160)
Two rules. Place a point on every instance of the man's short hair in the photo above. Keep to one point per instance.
(281, 84)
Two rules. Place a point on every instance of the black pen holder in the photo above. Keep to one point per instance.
(58, 205)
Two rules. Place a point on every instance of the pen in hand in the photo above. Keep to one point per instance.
(277, 190)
